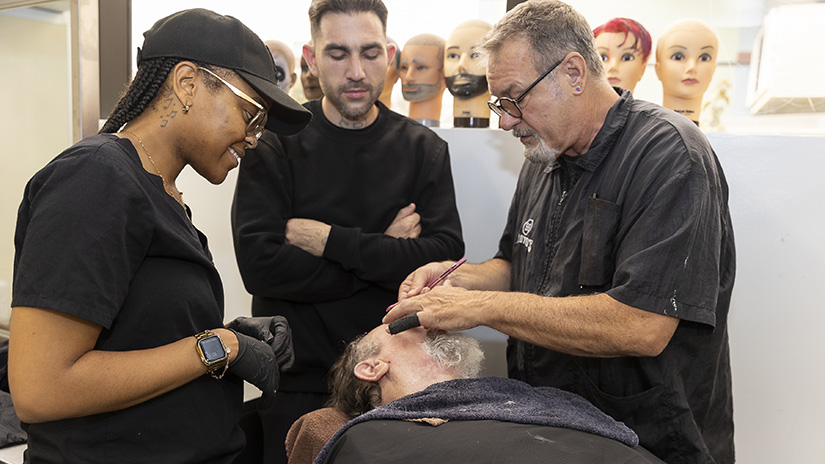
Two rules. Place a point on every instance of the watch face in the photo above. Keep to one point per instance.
(212, 349)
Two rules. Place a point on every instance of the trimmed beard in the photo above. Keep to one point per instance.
(351, 111)
(541, 153)
(476, 86)
(455, 352)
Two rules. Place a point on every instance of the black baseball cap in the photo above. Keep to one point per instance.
(208, 37)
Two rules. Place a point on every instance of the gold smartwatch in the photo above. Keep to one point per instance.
(213, 352)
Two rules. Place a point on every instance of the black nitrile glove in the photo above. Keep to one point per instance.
(272, 330)
(256, 363)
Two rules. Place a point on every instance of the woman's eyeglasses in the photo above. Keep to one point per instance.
(257, 123)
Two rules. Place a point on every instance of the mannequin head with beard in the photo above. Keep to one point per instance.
(421, 70)
(463, 69)
(378, 368)
(464, 73)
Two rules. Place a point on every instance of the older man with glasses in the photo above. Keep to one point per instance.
(615, 270)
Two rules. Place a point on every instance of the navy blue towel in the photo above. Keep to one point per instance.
(496, 398)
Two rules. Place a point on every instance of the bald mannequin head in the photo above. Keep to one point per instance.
(392, 74)
(284, 63)
(686, 55)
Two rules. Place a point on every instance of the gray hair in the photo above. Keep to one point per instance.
(552, 28)
(457, 353)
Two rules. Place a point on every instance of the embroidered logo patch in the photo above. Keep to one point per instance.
(525, 231)
(527, 227)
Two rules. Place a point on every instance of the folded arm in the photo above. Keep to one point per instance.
(271, 267)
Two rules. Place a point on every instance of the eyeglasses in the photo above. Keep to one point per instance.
(257, 123)
(509, 105)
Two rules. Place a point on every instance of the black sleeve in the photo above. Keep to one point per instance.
(82, 234)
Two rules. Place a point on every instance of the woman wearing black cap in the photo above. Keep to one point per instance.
(118, 351)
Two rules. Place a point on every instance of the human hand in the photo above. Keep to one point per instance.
(407, 223)
(307, 234)
(445, 307)
(272, 330)
(257, 364)
(416, 282)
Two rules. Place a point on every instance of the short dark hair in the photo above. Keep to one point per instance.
(319, 8)
(350, 394)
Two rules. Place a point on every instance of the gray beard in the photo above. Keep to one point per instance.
(455, 352)
(541, 153)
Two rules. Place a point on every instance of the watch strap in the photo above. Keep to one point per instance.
(214, 366)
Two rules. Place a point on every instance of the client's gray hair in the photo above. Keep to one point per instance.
(456, 353)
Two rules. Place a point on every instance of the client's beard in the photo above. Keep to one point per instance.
(473, 85)
(455, 352)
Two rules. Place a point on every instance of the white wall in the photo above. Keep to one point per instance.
(35, 120)
(775, 319)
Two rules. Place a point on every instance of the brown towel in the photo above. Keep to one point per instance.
(310, 433)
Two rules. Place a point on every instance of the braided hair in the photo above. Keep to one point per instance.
(149, 79)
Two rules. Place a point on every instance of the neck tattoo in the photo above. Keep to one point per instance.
(173, 192)
(347, 124)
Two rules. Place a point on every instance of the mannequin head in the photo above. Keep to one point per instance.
(421, 68)
(284, 63)
(392, 74)
(624, 46)
(465, 75)
(463, 70)
(312, 89)
(685, 62)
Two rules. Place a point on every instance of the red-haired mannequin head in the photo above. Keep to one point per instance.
(624, 46)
